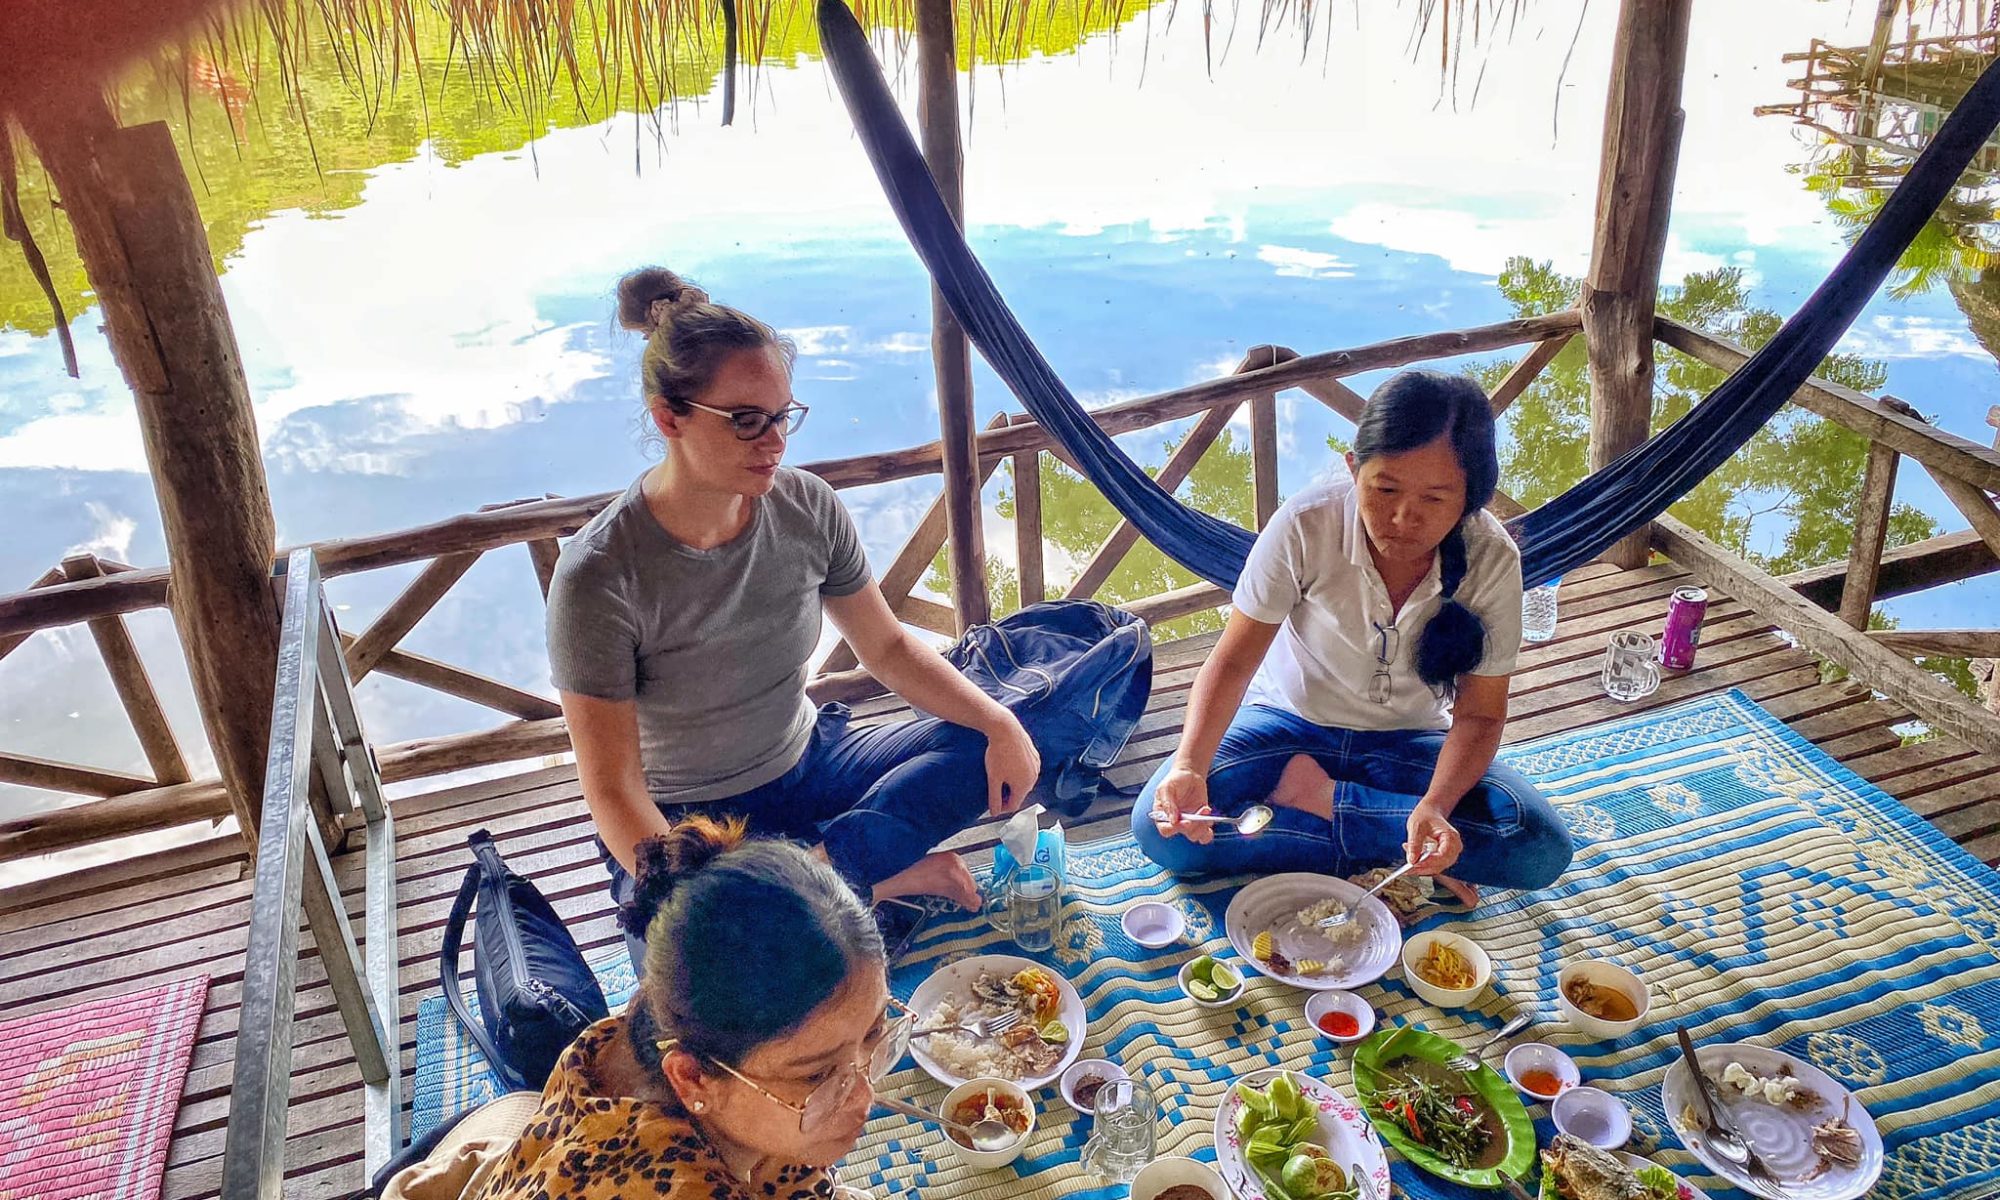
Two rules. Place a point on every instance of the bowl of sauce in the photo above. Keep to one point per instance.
(1079, 1085)
(1541, 1072)
(1340, 1017)
(1174, 1178)
(1602, 998)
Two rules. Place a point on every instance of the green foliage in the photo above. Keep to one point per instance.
(277, 118)
(1076, 519)
(1799, 467)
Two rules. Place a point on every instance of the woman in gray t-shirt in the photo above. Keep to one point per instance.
(682, 617)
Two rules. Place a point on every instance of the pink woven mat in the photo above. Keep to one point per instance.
(88, 1094)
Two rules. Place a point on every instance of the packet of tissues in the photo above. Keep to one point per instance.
(1022, 840)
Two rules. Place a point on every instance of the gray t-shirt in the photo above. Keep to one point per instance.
(712, 644)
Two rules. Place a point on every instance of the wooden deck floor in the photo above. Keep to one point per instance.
(118, 928)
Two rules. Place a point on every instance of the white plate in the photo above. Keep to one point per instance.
(1781, 1135)
(1273, 901)
(1343, 1130)
(956, 981)
(1688, 1191)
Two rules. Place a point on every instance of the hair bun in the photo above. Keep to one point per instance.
(649, 295)
(666, 860)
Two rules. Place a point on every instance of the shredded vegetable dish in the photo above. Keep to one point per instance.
(1446, 968)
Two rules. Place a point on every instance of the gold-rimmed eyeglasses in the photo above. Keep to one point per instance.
(749, 424)
(827, 1097)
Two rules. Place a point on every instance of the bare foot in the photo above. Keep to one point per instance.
(1305, 786)
(939, 873)
(1466, 893)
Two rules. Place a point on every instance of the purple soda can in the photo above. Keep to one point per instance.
(1683, 632)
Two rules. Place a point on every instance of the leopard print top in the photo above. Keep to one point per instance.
(584, 1145)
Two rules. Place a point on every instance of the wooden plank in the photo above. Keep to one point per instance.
(12, 641)
(466, 685)
(405, 611)
(1336, 396)
(1947, 643)
(1822, 633)
(1947, 558)
(134, 685)
(1028, 556)
(1871, 418)
(1524, 373)
(543, 553)
(929, 615)
(143, 243)
(1974, 503)
(1871, 533)
(1125, 534)
(29, 771)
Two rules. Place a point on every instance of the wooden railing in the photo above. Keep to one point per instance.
(129, 803)
(101, 593)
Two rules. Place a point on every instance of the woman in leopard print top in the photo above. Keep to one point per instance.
(743, 1068)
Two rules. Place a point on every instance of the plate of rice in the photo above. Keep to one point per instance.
(1274, 925)
(1034, 1054)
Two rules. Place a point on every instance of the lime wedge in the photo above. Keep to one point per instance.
(1055, 1033)
(1224, 978)
(1202, 990)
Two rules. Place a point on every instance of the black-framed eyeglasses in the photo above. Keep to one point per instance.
(831, 1094)
(749, 424)
(1388, 641)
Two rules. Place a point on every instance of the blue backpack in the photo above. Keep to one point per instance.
(1077, 675)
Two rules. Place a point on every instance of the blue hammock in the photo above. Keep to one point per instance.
(1567, 531)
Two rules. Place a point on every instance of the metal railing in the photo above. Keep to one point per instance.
(320, 775)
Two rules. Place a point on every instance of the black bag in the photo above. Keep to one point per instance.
(535, 991)
(1077, 675)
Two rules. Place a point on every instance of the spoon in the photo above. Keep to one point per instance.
(985, 1135)
(1252, 822)
(1723, 1139)
(1347, 914)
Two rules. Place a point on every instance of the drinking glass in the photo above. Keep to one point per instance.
(1631, 666)
(1121, 1143)
(1031, 907)
(1538, 612)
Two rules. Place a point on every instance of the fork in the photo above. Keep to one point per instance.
(1463, 1062)
(983, 1027)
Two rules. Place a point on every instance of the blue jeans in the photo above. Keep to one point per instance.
(878, 797)
(1512, 837)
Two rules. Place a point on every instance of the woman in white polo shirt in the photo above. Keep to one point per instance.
(1383, 606)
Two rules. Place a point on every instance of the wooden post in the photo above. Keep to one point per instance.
(951, 356)
(1264, 455)
(147, 254)
(134, 685)
(1028, 527)
(1871, 534)
(1635, 186)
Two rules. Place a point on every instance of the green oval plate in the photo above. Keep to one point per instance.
(1425, 1046)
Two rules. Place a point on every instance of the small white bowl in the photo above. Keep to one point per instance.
(1162, 1173)
(1417, 947)
(1594, 1115)
(1103, 1068)
(1321, 1003)
(1540, 1056)
(1226, 1001)
(1606, 975)
(987, 1160)
(1153, 925)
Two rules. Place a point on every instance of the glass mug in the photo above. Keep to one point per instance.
(1124, 1116)
(1028, 907)
(1631, 666)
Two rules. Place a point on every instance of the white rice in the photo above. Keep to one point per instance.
(961, 1054)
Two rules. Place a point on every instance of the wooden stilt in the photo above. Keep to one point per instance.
(951, 356)
(1635, 186)
(145, 248)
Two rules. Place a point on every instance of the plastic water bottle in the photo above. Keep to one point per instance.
(1538, 612)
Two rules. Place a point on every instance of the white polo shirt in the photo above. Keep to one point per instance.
(1310, 573)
